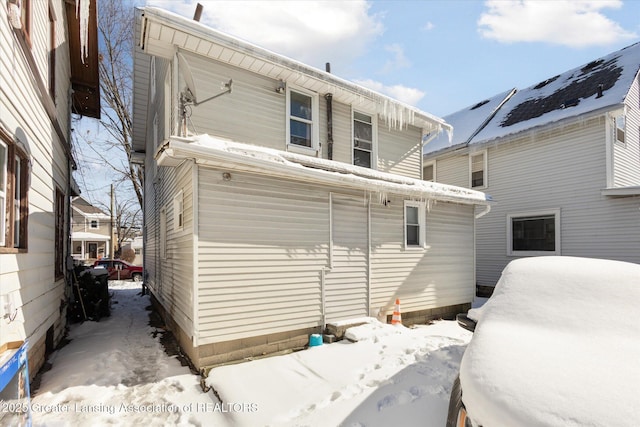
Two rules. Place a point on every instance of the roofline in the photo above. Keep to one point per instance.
(508, 136)
(204, 32)
(321, 171)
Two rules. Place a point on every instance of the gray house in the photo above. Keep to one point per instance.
(280, 198)
(562, 161)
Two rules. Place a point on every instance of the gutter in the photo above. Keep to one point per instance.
(292, 166)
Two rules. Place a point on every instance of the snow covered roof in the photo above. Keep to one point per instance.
(231, 155)
(468, 122)
(598, 86)
(85, 235)
(85, 208)
(162, 33)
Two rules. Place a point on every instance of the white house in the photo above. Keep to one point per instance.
(562, 161)
(91, 231)
(280, 198)
(43, 78)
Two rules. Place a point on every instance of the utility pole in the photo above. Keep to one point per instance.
(112, 241)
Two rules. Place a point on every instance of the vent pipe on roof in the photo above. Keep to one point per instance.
(327, 67)
(600, 87)
(198, 14)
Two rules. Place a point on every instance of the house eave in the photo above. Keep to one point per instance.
(163, 34)
(632, 191)
(228, 155)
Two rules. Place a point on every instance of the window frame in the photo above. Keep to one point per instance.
(425, 165)
(617, 130)
(14, 208)
(178, 211)
(91, 221)
(374, 137)
(422, 234)
(485, 175)
(532, 215)
(314, 122)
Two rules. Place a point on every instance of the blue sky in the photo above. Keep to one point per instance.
(439, 56)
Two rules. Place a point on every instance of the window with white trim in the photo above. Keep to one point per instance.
(178, 211)
(533, 233)
(302, 119)
(429, 171)
(478, 170)
(94, 224)
(414, 224)
(364, 134)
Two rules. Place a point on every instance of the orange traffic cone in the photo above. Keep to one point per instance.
(396, 319)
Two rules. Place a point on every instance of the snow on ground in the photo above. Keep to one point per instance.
(115, 372)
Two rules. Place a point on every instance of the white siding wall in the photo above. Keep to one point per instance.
(28, 278)
(255, 101)
(262, 245)
(265, 243)
(627, 156)
(565, 170)
(438, 276)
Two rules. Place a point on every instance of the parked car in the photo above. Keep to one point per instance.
(119, 269)
(557, 344)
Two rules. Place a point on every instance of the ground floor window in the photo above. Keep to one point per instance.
(14, 187)
(534, 233)
(414, 222)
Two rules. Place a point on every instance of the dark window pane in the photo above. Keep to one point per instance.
(477, 179)
(534, 234)
(362, 158)
(412, 235)
(300, 133)
(362, 131)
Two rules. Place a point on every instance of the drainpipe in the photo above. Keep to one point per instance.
(486, 210)
(329, 98)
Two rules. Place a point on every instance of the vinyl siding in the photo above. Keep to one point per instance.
(399, 151)
(28, 278)
(563, 169)
(261, 252)
(255, 101)
(440, 275)
(627, 156)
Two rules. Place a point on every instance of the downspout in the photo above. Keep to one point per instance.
(324, 270)
(329, 98)
(369, 255)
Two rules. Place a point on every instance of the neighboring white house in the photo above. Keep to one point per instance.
(41, 63)
(560, 158)
(91, 231)
(280, 198)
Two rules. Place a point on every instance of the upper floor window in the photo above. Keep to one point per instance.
(478, 170)
(302, 118)
(363, 140)
(414, 224)
(533, 233)
(14, 208)
(620, 124)
(429, 171)
(94, 224)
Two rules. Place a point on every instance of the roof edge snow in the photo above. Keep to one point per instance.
(232, 155)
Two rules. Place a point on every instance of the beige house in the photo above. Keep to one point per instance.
(562, 160)
(43, 78)
(280, 198)
(91, 231)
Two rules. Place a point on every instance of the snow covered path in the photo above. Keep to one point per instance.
(114, 372)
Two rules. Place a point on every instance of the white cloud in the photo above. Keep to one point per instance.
(399, 59)
(312, 32)
(408, 95)
(571, 23)
(428, 26)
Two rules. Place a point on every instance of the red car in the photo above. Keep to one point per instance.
(120, 270)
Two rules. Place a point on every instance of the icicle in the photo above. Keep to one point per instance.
(82, 13)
